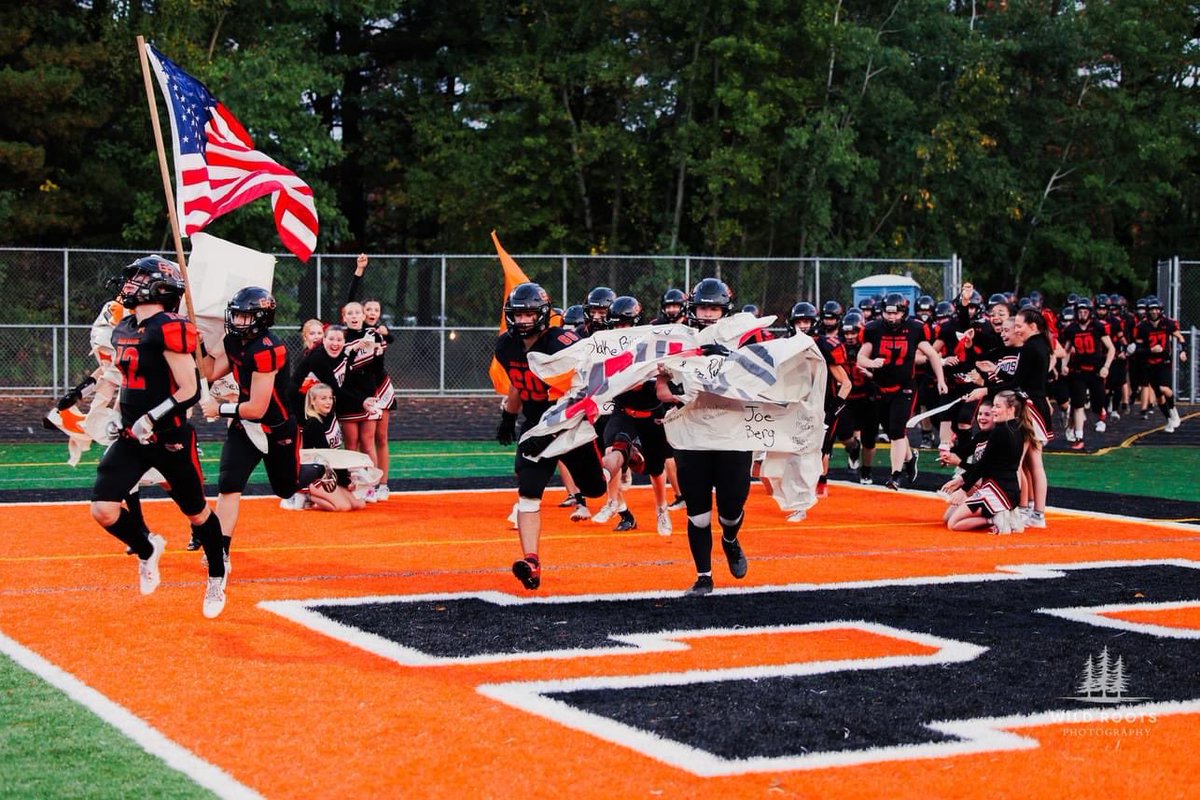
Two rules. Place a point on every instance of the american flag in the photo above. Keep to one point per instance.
(217, 168)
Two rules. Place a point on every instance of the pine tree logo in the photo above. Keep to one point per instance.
(1104, 680)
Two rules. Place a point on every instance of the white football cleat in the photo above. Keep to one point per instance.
(148, 575)
(604, 514)
(214, 597)
(664, 521)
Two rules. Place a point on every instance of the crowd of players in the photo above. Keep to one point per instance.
(1012, 358)
(986, 371)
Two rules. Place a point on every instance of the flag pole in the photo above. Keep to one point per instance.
(166, 179)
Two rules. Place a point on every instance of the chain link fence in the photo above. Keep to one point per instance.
(443, 309)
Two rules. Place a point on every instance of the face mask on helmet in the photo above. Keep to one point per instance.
(531, 302)
(711, 294)
(151, 279)
(250, 312)
(626, 312)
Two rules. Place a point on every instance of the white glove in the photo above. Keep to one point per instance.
(143, 429)
(1131, 349)
(112, 429)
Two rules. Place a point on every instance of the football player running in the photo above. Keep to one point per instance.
(527, 315)
(154, 349)
(258, 361)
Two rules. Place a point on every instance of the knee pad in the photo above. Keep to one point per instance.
(701, 520)
(530, 505)
(728, 522)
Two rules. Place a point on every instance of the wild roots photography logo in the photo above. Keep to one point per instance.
(1104, 681)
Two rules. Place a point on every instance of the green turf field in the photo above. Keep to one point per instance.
(1164, 472)
(51, 747)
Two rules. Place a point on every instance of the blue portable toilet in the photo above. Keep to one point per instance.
(882, 285)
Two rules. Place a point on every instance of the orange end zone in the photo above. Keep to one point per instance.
(292, 712)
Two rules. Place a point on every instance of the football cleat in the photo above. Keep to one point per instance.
(893, 482)
(604, 514)
(528, 572)
(214, 597)
(1101, 426)
(702, 586)
(627, 523)
(1078, 445)
(664, 521)
(735, 557)
(1035, 519)
(678, 504)
(382, 492)
(910, 468)
(854, 455)
(569, 502)
(798, 516)
(1070, 434)
(148, 575)
(194, 543)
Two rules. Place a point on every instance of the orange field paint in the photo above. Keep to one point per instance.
(291, 712)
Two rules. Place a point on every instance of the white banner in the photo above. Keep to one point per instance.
(217, 269)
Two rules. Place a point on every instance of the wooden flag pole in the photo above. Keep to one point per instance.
(166, 179)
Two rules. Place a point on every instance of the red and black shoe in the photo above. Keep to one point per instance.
(528, 571)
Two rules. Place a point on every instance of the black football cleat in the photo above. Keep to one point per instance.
(528, 572)
(735, 557)
(194, 543)
(910, 468)
(702, 586)
(893, 482)
(627, 523)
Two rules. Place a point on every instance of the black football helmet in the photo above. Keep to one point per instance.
(596, 305)
(925, 307)
(1153, 304)
(997, 299)
(709, 292)
(1083, 304)
(750, 308)
(802, 311)
(1140, 308)
(573, 317)
(259, 304)
(673, 297)
(156, 280)
(1067, 315)
(852, 325)
(943, 310)
(866, 307)
(527, 297)
(625, 312)
(1036, 298)
(831, 315)
(892, 304)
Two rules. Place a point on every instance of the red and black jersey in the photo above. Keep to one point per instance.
(146, 378)
(833, 350)
(514, 358)
(1149, 334)
(898, 349)
(1085, 342)
(860, 384)
(265, 353)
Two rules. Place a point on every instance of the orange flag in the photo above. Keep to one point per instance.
(513, 275)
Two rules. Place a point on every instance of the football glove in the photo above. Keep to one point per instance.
(142, 429)
(506, 432)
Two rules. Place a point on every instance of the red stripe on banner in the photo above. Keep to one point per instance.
(585, 406)
(617, 363)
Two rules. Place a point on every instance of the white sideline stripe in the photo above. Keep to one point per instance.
(142, 733)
